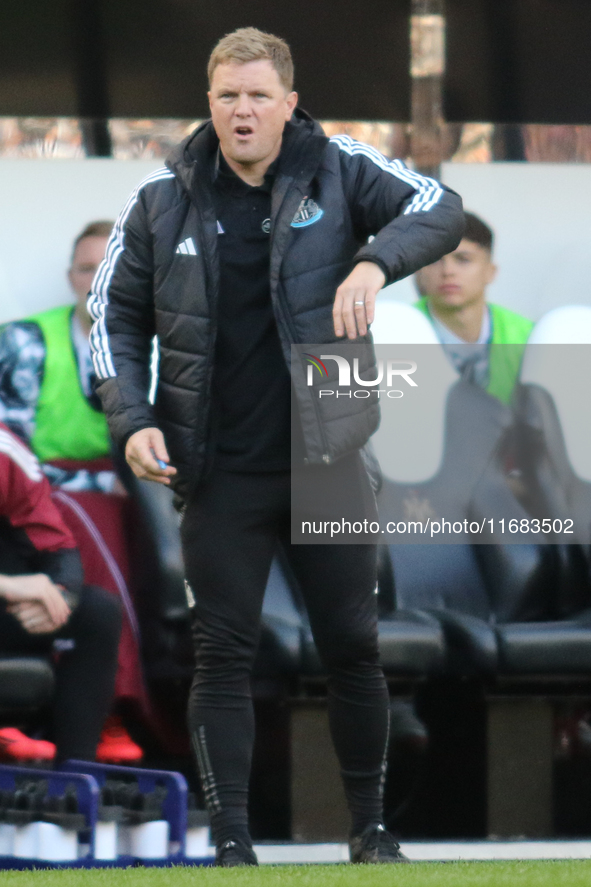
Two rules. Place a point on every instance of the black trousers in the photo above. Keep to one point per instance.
(230, 531)
(84, 670)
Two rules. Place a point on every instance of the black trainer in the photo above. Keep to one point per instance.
(235, 853)
(375, 845)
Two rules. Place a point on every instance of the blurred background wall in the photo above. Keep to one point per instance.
(540, 213)
(499, 90)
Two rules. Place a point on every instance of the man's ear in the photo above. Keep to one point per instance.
(492, 273)
(209, 99)
(292, 100)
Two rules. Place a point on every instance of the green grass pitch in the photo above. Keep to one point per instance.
(570, 873)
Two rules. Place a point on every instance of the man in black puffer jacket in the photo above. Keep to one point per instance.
(254, 238)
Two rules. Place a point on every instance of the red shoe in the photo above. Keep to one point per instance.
(116, 745)
(16, 747)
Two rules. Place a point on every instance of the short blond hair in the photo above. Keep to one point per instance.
(250, 45)
(101, 228)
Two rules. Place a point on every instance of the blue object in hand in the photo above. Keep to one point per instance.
(161, 464)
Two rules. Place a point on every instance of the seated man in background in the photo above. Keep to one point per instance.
(453, 292)
(47, 399)
(46, 378)
(46, 609)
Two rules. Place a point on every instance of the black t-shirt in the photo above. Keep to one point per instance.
(251, 382)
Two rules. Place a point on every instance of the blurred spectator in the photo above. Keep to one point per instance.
(453, 296)
(46, 609)
(394, 139)
(46, 377)
(47, 399)
(557, 144)
(144, 139)
(48, 137)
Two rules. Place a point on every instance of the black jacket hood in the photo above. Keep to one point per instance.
(198, 148)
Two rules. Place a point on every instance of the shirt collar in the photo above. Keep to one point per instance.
(446, 337)
(226, 177)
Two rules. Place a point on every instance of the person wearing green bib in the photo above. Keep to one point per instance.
(453, 296)
(47, 399)
(47, 378)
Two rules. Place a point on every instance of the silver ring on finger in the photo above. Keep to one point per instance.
(359, 303)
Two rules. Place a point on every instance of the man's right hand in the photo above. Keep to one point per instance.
(143, 450)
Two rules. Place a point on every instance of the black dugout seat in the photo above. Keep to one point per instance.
(553, 446)
(554, 421)
(499, 604)
(26, 684)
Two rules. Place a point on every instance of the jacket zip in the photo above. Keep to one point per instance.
(285, 317)
(287, 325)
(204, 418)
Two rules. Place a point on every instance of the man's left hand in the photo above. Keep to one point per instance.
(34, 617)
(354, 304)
(35, 601)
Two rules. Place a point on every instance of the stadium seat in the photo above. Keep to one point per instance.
(26, 683)
(486, 596)
(554, 420)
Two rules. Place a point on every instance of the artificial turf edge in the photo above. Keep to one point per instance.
(530, 873)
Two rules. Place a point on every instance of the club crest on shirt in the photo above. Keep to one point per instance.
(308, 213)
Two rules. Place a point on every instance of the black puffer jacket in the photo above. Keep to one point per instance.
(160, 276)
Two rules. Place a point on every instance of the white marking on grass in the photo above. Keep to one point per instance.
(429, 851)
